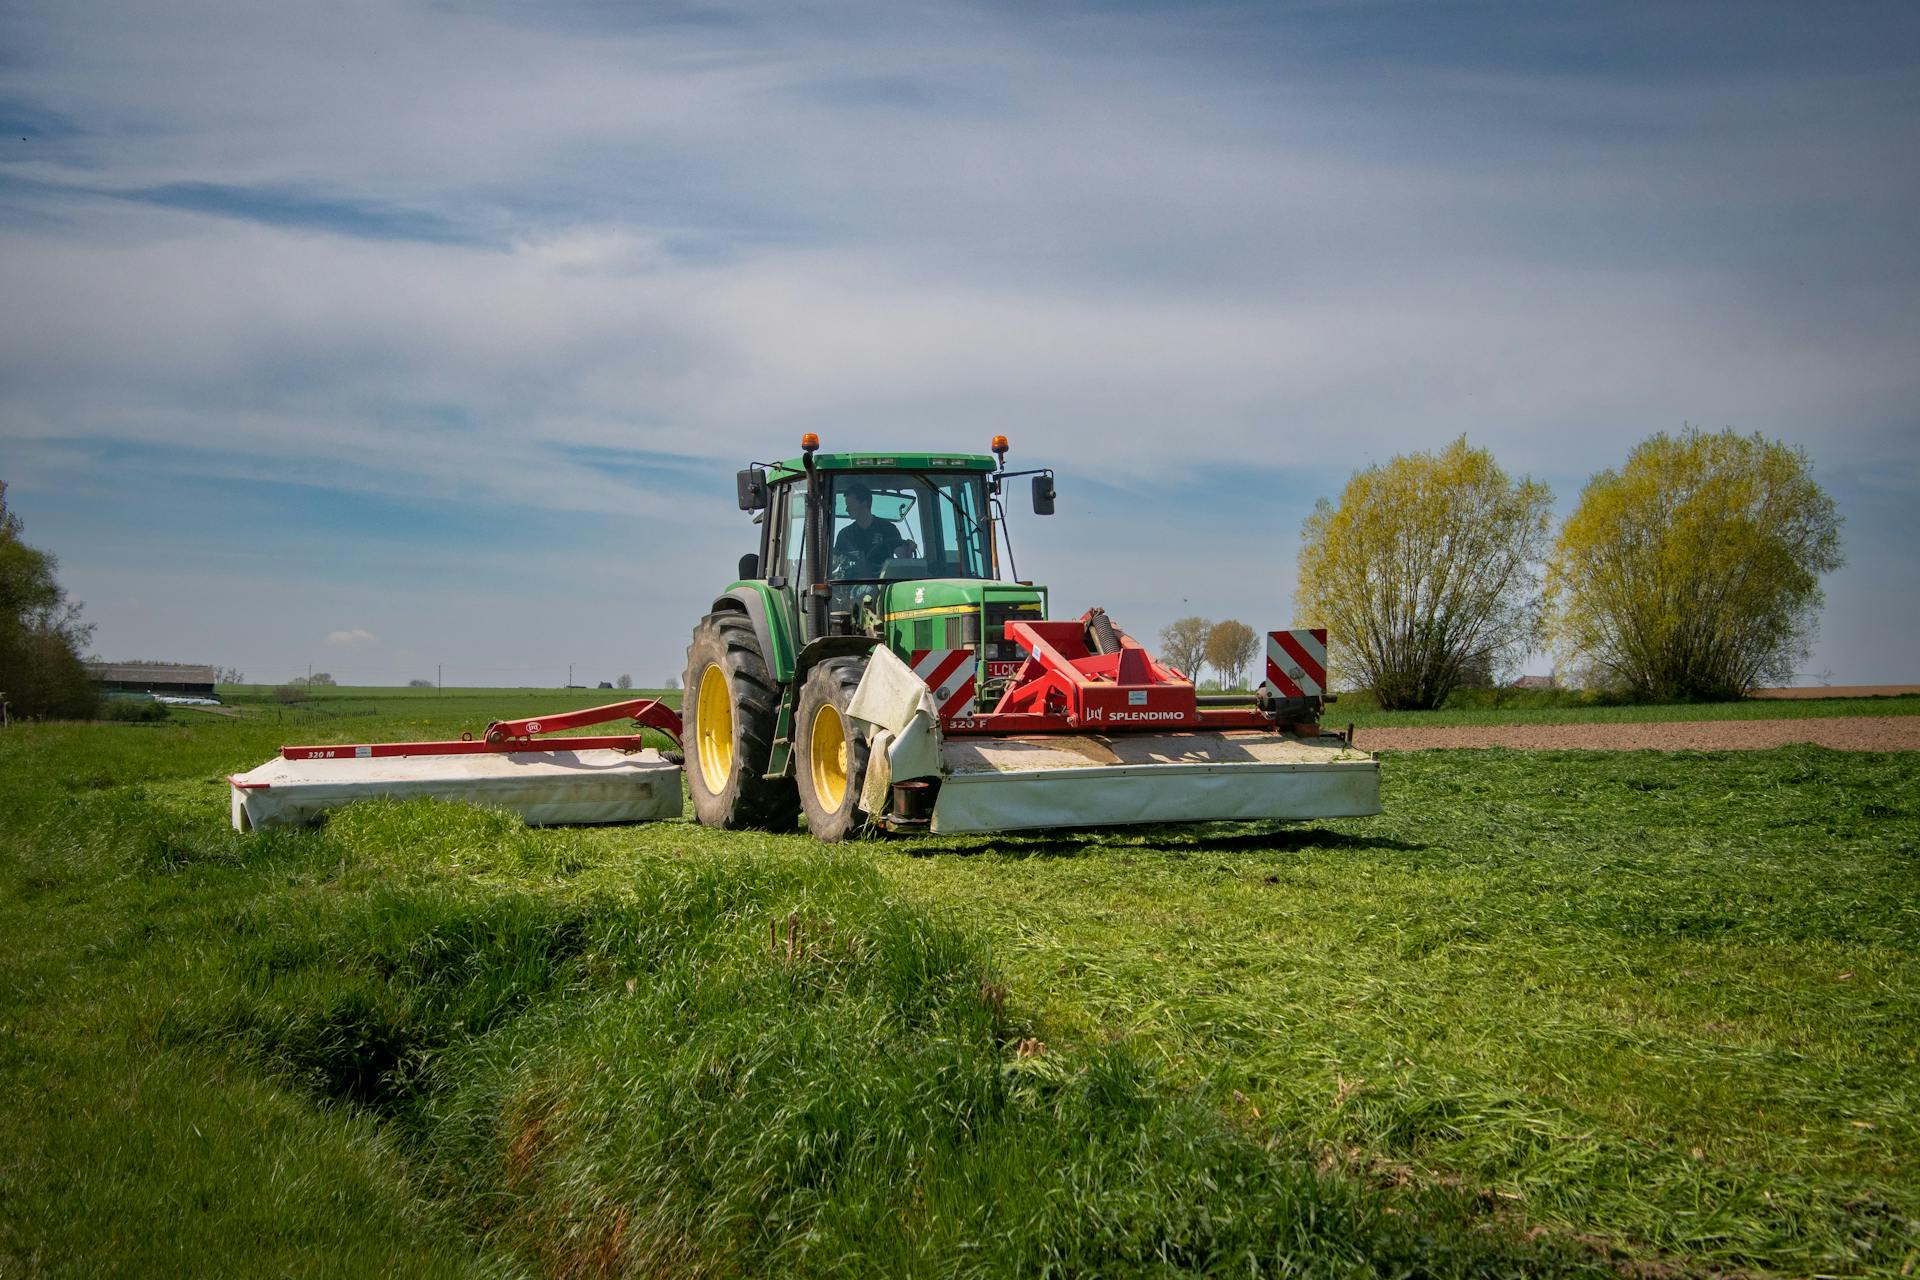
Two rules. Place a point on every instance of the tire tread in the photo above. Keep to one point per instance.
(770, 804)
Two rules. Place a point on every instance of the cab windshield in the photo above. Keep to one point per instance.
(889, 526)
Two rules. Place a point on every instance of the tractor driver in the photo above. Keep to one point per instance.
(867, 543)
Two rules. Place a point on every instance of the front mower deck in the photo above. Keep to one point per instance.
(1089, 780)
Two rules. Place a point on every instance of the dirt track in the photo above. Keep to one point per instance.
(1848, 733)
(1837, 691)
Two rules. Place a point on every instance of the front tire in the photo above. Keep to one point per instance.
(731, 707)
(830, 752)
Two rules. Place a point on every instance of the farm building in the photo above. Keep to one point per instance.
(153, 677)
(1537, 682)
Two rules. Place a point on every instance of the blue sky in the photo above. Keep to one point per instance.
(382, 335)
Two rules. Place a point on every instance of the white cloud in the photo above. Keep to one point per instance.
(357, 638)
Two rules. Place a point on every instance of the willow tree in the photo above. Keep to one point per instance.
(1693, 572)
(1424, 570)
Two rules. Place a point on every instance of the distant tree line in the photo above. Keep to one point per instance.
(1691, 573)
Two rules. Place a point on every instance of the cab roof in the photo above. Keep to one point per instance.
(787, 468)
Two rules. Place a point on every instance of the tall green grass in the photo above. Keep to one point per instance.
(426, 1039)
(1549, 1012)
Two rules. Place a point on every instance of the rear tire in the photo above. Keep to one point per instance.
(830, 752)
(730, 707)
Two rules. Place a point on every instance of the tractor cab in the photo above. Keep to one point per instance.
(903, 548)
(889, 526)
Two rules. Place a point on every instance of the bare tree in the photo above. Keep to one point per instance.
(1230, 647)
(624, 682)
(1183, 645)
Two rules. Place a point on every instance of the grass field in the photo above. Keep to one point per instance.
(1559, 707)
(1548, 1014)
(1671, 1000)
(474, 707)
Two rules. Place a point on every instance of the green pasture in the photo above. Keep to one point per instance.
(328, 702)
(1549, 1014)
(471, 708)
(1556, 706)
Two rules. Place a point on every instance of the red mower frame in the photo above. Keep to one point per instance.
(1063, 687)
(519, 735)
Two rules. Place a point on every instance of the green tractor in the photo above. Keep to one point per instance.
(895, 560)
(874, 665)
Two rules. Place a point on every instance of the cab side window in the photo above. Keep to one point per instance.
(795, 512)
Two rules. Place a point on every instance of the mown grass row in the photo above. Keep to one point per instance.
(1668, 1000)
(427, 1040)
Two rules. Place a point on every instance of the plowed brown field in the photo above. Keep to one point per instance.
(1850, 733)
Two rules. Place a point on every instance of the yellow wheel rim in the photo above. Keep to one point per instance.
(829, 754)
(715, 733)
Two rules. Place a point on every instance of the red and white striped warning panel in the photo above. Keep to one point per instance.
(949, 673)
(1297, 663)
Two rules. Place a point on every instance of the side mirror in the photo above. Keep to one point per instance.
(1043, 495)
(752, 485)
(749, 566)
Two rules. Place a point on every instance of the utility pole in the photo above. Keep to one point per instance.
(438, 682)
(569, 675)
